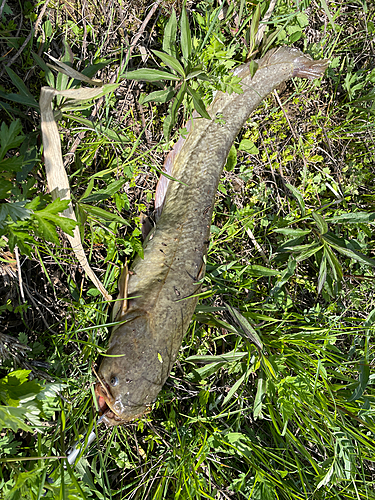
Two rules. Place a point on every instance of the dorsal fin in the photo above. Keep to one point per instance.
(162, 185)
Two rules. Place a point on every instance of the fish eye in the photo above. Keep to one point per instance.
(113, 381)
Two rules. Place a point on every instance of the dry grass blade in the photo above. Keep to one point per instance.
(57, 178)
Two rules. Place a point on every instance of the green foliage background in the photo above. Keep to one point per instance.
(273, 395)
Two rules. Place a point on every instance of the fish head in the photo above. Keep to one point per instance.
(130, 375)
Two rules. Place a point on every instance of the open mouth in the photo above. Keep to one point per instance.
(105, 403)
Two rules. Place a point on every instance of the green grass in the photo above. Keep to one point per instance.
(289, 418)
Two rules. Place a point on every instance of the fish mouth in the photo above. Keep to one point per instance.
(106, 403)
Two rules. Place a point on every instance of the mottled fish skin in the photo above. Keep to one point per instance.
(165, 281)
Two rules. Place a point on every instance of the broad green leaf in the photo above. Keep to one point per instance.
(198, 72)
(322, 273)
(170, 61)
(320, 222)
(16, 387)
(159, 96)
(253, 66)
(298, 197)
(171, 118)
(88, 190)
(137, 246)
(232, 159)
(13, 418)
(344, 247)
(185, 35)
(5, 188)
(15, 210)
(198, 103)
(248, 146)
(208, 370)
(354, 217)
(99, 213)
(92, 69)
(13, 164)
(10, 137)
(150, 75)
(364, 375)
(49, 76)
(54, 208)
(286, 274)
(45, 229)
(170, 32)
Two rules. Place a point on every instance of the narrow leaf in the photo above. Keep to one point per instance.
(355, 217)
(159, 96)
(170, 61)
(261, 392)
(170, 32)
(234, 389)
(185, 35)
(334, 263)
(295, 233)
(17, 82)
(314, 248)
(320, 222)
(322, 273)
(247, 328)
(198, 103)
(103, 214)
(298, 197)
(150, 75)
(344, 247)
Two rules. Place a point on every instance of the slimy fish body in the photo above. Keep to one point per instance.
(143, 349)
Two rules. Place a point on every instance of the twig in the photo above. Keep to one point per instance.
(19, 273)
